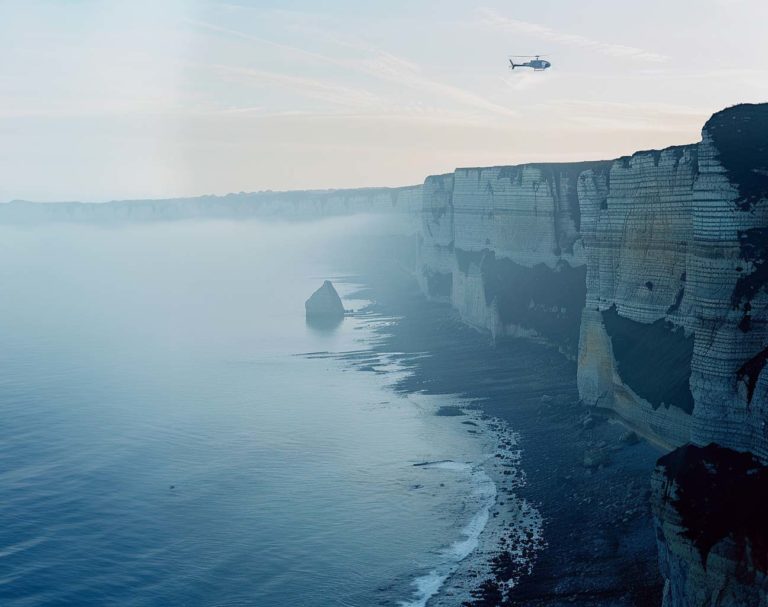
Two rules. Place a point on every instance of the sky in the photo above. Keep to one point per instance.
(120, 99)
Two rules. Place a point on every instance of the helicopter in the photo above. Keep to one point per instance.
(538, 64)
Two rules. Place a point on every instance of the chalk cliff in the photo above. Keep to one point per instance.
(503, 245)
(650, 270)
(647, 269)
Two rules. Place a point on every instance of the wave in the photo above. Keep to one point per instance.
(484, 493)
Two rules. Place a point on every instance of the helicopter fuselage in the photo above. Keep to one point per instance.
(536, 64)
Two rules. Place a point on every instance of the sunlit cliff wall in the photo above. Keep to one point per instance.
(502, 244)
(647, 269)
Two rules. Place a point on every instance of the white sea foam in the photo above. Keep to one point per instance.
(516, 531)
(486, 491)
(426, 587)
(484, 494)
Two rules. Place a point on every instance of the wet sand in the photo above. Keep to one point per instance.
(588, 477)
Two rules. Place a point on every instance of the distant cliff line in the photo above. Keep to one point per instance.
(301, 204)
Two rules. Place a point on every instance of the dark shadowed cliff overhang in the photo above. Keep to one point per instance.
(439, 284)
(720, 494)
(740, 134)
(654, 360)
(546, 300)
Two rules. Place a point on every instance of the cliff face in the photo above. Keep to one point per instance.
(648, 269)
(635, 343)
(675, 322)
(503, 245)
(728, 262)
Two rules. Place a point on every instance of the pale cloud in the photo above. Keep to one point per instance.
(494, 20)
(379, 65)
(232, 33)
(637, 116)
(314, 89)
(403, 73)
(523, 81)
(102, 99)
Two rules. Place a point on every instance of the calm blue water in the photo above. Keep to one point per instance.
(163, 441)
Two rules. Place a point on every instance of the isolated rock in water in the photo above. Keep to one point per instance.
(325, 304)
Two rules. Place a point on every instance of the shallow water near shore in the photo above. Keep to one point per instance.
(175, 433)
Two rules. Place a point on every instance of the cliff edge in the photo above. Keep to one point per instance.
(649, 270)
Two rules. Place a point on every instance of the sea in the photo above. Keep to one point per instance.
(173, 432)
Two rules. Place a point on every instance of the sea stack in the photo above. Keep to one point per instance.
(325, 304)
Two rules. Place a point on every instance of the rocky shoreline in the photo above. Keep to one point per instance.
(587, 476)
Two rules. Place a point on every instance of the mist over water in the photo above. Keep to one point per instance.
(166, 440)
